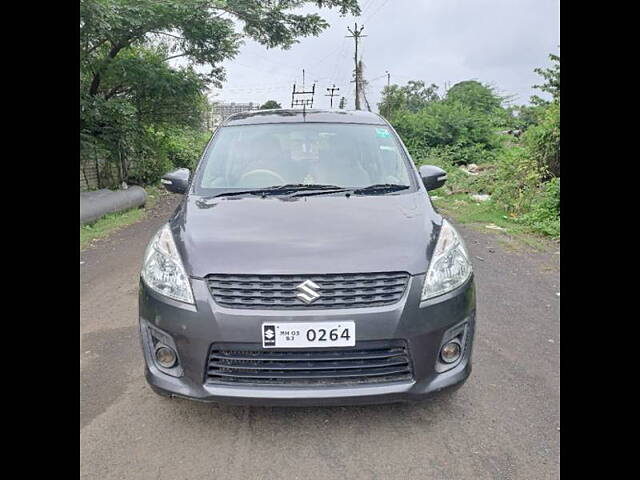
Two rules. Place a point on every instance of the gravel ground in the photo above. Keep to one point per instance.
(502, 424)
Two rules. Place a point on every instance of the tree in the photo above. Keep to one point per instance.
(414, 96)
(543, 141)
(450, 125)
(270, 104)
(552, 81)
(482, 99)
(202, 31)
(475, 95)
(418, 95)
(131, 82)
(521, 117)
(393, 100)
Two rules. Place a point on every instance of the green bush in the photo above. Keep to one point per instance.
(446, 157)
(544, 216)
(478, 97)
(516, 180)
(527, 177)
(519, 189)
(160, 150)
(521, 174)
(184, 146)
(543, 141)
(151, 160)
(468, 134)
(147, 170)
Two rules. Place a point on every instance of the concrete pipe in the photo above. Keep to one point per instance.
(94, 205)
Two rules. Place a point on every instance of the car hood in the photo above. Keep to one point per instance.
(306, 235)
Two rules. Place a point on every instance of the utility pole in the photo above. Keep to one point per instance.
(331, 95)
(363, 84)
(356, 35)
(388, 86)
(305, 102)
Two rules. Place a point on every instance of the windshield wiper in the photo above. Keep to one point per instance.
(301, 187)
(320, 190)
(281, 190)
(380, 188)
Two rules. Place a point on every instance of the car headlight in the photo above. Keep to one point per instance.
(450, 266)
(163, 271)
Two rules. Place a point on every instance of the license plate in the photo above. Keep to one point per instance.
(308, 335)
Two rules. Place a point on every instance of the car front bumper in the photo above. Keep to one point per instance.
(192, 330)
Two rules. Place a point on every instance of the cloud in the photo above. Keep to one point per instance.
(494, 41)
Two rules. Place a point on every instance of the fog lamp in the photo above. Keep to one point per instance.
(450, 352)
(166, 356)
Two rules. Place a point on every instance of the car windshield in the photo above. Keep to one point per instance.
(262, 156)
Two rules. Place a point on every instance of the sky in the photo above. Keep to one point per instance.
(497, 42)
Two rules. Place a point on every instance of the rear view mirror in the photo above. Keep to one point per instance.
(432, 177)
(176, 181)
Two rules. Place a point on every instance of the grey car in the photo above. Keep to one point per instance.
(306, 265)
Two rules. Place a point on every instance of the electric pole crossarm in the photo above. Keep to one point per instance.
(305, 102)
(331, 95)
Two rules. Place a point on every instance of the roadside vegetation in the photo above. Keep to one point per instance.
(502, 161)
(146, 65)
(269, 104)
(112, 222)
(108, 224)
(145, 69)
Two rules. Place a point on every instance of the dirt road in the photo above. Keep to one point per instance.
(502, 424)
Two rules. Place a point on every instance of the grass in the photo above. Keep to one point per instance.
(479, 215)
(112, 222)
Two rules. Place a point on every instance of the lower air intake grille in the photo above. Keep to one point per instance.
(368, 362)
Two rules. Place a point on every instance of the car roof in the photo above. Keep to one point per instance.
(285, 115)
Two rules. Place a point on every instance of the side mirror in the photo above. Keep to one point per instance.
(176, 181)
(432, 177)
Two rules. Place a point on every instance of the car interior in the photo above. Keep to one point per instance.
(262, 156)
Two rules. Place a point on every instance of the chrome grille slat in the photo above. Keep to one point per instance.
(325, 287)
(317, 356)
(336, 290)
(286, 366)
(368, 362)
(313, 374)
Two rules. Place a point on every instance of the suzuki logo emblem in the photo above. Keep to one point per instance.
(307, 291)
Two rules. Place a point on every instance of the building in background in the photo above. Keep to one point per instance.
(221, 110)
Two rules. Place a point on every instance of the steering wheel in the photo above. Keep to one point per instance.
(260, 171)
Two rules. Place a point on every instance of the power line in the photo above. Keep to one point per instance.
(378, 77)
(388, 86)
(376, 12)
(366, 7)
(339, 56)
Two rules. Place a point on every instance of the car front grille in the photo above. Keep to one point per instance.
(335, 291)
(368, 362)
